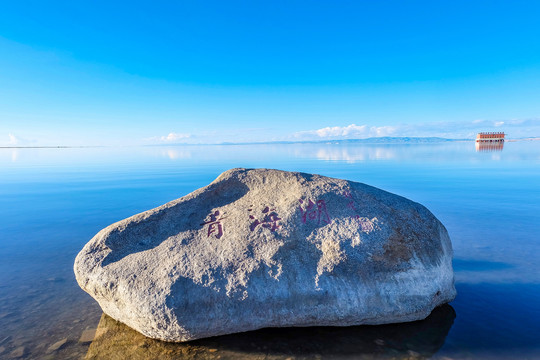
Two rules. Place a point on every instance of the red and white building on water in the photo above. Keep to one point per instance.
(490, 137)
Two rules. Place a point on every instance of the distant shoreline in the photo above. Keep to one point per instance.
(375, 140)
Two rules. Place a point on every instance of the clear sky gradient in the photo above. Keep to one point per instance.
(126, 73)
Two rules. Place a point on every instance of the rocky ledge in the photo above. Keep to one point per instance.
(267, 248)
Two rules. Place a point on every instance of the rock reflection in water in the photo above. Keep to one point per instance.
(418, 340)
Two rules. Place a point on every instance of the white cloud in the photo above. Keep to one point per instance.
(352, 131)
(13, 140)
(16, 141)
(172, 137)
(514, 128)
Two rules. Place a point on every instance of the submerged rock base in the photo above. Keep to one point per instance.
(267, 248)
(411, 340)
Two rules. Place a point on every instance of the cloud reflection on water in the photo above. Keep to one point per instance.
(356, 154)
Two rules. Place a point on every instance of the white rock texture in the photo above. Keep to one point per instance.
(267, 248)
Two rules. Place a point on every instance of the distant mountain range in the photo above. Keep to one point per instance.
(372, 140)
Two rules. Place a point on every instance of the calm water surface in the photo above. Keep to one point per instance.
(52, 201)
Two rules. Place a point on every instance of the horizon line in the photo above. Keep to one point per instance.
(435, 139)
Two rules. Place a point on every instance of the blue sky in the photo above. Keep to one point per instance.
(128, 73)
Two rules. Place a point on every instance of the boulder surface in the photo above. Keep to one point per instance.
(267, 248)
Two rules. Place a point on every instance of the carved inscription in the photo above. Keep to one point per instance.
(269, 219)
(314, 212)
(366, 224)
(214, 225)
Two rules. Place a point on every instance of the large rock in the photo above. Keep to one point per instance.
(268, 248)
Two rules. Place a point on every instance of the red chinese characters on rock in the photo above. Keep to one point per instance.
(367, 225)
(350, 205)
(269, 220)
(315, 212)
(214, 225)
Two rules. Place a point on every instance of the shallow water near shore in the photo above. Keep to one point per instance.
(52, 201)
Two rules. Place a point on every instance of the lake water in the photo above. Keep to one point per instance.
(52, 201)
